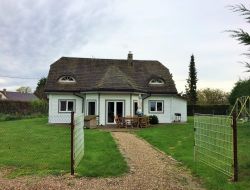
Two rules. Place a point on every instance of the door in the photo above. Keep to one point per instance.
(114, 108)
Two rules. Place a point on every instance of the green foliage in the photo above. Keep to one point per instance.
(34, 147)
(40, 106)
(191, 88)
(242, 36)
(153, 119)
(39, 92)
(19, 108)
(241, 88)
(24, 89)
(210, 96)
(177, 141)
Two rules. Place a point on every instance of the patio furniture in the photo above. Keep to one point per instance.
(143, 122)
(119, 122)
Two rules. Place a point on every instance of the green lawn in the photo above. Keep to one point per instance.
(31, 146)
(177, 140)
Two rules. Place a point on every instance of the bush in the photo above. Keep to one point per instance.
(40, 106)
(153, 119)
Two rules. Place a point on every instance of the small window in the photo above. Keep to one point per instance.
(155, 106)
(66, 105)
(67, 79)
(91, 108)
(156, 81)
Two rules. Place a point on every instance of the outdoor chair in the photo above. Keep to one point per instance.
(118, 122)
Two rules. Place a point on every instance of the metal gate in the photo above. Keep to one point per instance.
(216, 143)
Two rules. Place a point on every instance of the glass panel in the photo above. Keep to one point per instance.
(152, 106)
(159, 106)
(91, 108)
(70, 106)
(111, 107)
(135, 107)
(119, 109)
(62, 105)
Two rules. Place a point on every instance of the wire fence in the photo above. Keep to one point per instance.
(77, 140)
(214, 142)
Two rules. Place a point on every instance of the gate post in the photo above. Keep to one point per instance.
(72, 144)
(235, 160)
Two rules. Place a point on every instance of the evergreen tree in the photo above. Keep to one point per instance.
(191, 87)
(242, 36)
(39, 92)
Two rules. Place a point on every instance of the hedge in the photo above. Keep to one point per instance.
(209, 109)
(23, 108)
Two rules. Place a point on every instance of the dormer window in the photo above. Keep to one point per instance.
(66, 79)
(156, 81)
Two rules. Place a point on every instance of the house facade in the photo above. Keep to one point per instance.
(112, 87)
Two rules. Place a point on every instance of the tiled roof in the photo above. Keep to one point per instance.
(109, 75)
(18, 96)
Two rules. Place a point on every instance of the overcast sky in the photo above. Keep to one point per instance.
(34, 34)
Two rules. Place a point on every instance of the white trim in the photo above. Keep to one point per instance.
(115, 109)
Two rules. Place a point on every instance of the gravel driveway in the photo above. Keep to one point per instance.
(149, 169)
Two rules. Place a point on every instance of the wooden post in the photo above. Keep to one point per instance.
(235, 164)
(72, 171)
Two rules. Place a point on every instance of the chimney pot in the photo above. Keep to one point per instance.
(130, 58)
(4, 91)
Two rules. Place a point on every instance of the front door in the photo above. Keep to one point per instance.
(114, 108)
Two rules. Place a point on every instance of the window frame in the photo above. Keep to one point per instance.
(62, 80)
(67, 110)
(88, 101)
(156, 81)
(156, 110)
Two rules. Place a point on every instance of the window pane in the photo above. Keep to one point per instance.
(119, 109)
(159, 106)
(62, 105)
(152, 106)
(70, 106)
(91, 108)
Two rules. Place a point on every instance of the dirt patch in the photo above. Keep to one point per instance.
(149, 169)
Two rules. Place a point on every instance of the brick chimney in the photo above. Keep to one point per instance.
(130, 58)
(4, 91)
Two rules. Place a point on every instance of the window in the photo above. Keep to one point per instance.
(91, 108)
(155, 106)
(156, 81)
(66, 105)
(67, 79)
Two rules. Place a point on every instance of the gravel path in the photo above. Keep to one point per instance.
(149, 169)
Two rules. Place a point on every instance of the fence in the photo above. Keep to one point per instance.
(77, 140)
(216, 143)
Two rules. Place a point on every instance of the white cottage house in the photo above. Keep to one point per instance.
(110, 87)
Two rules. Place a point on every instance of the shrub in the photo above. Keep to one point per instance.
(153, 119)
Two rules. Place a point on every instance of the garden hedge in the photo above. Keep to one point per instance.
(208, 109)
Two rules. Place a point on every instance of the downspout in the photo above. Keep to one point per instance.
(143, 98)
(83, 102)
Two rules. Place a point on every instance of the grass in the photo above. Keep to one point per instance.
(33, 147)
(177, 140)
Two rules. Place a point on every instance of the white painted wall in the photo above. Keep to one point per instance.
(172, 105)
(179, 105)
(54, 115)
(163, 117)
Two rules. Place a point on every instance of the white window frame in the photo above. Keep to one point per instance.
(156, 81)
(156, 102)
(67, 110)
(88, 101)
(67, 79)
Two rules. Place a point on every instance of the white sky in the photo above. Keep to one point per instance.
(33, 34)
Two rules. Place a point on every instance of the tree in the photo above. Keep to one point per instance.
(241, 88)
(39, 92)
(24, 89)
(242, 36)
(210, 96)
(191, 87)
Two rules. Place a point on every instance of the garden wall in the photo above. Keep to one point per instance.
(208, 109)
